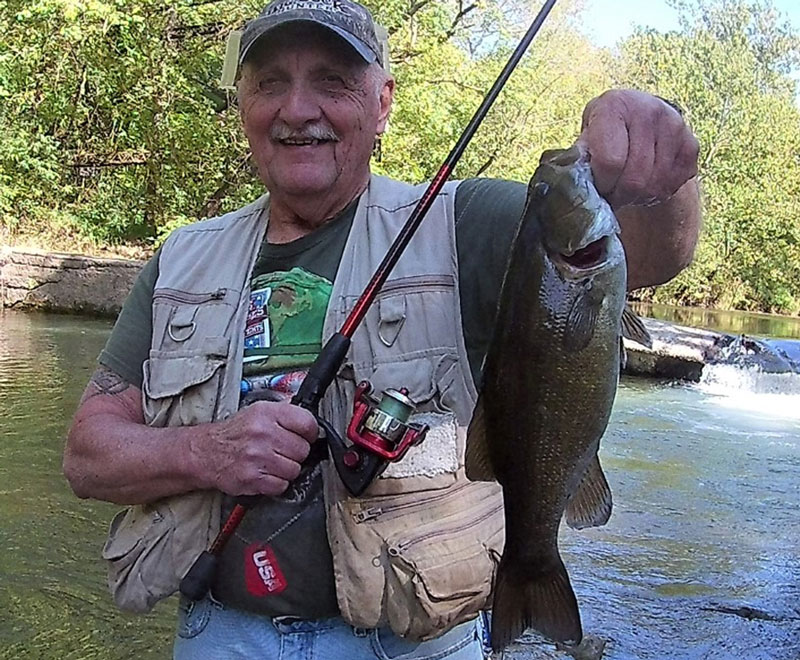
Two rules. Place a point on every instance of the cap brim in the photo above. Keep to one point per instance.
(265, 24)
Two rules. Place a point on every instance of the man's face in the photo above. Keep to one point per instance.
(311, 108)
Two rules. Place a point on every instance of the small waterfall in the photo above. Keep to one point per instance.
(730, 379)
(752, 375)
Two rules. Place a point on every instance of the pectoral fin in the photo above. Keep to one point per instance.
(633, 328)
(477, 461)
(582, 318)
(590, 505)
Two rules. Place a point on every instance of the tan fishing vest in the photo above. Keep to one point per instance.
(418, 550)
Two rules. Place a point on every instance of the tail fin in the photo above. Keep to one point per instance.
(544, 601)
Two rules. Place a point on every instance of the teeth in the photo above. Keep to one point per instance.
(300, 143)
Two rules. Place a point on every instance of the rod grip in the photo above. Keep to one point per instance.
(197, 581)
(322, 372)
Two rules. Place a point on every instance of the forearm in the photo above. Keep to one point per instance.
(114, 459)
(111, 454)
(660, 240)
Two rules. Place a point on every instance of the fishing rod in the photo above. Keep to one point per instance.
(370, 451)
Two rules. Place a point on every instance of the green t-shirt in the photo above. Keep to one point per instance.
(279, 562)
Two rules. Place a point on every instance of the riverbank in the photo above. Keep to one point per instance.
(78, 284)
(67, 283)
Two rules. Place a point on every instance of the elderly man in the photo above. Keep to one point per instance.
(189, 406)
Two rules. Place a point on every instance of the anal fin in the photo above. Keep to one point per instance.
(590, 505)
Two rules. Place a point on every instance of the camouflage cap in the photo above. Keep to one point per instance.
(348, 19)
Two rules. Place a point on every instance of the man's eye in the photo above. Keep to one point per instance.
(268, 84)
(333, 80)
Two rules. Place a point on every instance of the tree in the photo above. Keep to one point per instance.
(729, 68)
(113, 133)
(115, 128)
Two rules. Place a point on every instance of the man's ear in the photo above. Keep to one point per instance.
(386, 99)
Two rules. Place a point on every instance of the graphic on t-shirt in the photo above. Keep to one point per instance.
(284, 323)
(256, 332)
(282, 338)
(281, 386)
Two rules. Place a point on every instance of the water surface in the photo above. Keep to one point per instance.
(732, 322)
(53, 600)
(707, 515)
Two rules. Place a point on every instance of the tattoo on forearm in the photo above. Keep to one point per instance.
(104, 381)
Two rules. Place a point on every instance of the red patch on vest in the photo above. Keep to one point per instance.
(262, 574)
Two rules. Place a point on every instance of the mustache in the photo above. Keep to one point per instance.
(280, 131)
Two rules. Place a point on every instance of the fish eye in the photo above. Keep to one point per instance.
(540, 190)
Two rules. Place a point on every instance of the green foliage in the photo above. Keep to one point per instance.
(441, 82)
(112, 130)
(115, 130)
(728, 67)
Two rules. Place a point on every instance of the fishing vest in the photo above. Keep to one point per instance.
(419, 548)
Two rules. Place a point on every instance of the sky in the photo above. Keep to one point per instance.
(608, 21)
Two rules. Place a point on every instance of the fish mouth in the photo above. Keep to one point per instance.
(590, 257)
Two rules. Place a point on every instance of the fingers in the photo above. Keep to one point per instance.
(605, 136)
(641, 150)
(300, 421)
(266, 484)
(634, 185)
(261, 449)
(281, 430)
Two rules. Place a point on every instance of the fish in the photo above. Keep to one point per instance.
(549, 381)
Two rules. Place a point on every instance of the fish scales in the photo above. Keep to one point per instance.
(549, 382)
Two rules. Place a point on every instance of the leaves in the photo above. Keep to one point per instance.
(115, 129)
(728, 68)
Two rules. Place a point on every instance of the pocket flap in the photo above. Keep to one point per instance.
(125, 532)
(415, 375)
(467, 572)
(168, 373)
(450, 556)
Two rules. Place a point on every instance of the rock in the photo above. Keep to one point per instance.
(65, 282)
(747, 352)
(744, 611)
(677, 353)
(590, 648)
(98, 286)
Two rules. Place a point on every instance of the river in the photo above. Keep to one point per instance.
(706, 519)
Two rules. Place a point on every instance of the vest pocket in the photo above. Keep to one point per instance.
(136, 535)
(420, 562)
(184, 383)
(178, 314)
(441, 573)
(150, 547)
(412, 317)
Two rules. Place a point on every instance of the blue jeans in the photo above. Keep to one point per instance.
(207, 630)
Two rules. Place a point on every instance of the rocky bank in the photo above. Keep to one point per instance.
(66, 283)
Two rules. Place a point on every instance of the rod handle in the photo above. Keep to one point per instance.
(197, 581)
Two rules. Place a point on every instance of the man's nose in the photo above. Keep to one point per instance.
(300, 106)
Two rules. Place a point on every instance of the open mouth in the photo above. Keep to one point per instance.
(588, 257)
(306, 142)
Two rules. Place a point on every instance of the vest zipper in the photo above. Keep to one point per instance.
(379, 511)
(400, 547)
(417, 281)
(186, 297)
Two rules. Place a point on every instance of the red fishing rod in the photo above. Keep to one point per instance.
(361, 461)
